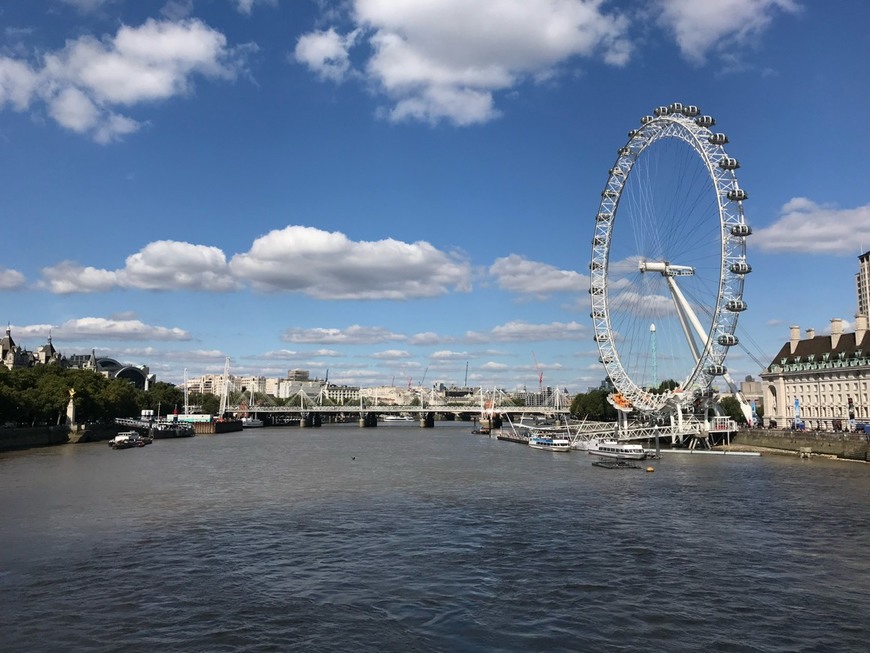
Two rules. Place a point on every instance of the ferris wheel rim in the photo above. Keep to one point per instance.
(686, 124)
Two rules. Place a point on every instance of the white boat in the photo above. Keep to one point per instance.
(397, 418)
(614, 449)
(546, 443)
(251, 422)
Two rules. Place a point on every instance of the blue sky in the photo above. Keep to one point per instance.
(387, 189)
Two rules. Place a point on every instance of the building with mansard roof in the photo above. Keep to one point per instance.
(821, 381)
(15, 357)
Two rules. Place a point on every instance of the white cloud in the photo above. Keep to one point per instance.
(161, 265)
(391, 354)
(327, 265)
(643, 304)
(98, 328)
(523, 331)
(445, 59)
(324, 265)
(82, 83)
(446, 355)
(699, 27)
(18, 82)
(11, 279)
(69, 277)
(247, 6)
(326, 53)
(520, 275)
(171, 265)
(810, 228)
(352, 335)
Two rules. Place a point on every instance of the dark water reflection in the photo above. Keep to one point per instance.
(402, 539)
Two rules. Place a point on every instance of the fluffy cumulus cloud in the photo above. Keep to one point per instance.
(100, 328)
(171, 265)
(326, 52)
(11, 279)
(445, 59)
(805, 226)
(520, 275)
(699, 27)
(86, 85)
(320, 264)
(328, 265)
(519, 331)
(161, 265)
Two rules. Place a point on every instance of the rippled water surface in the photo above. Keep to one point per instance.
(406, 539)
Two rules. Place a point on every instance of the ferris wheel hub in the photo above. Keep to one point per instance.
(666, 269)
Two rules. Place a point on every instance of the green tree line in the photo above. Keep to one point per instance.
(39, 396)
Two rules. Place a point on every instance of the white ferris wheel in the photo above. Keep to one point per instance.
(668, 261)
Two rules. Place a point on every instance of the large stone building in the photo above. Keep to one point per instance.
(821, 380)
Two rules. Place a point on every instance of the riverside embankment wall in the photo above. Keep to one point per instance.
(843, 445)
(34, 436)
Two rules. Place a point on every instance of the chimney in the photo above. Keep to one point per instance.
(860, 329)
(795, 337)
(811, 333)
(836, 331)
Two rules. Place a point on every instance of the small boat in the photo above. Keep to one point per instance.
(546, 443)
(619, 450)
(125, 440)
(398, 418)
(252, 423)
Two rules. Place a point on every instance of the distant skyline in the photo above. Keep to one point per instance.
(393, 190)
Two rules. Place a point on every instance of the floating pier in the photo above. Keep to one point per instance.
(616, 464)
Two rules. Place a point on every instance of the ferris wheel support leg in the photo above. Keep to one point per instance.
(686, 312)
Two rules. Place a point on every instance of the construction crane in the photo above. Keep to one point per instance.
(540, 375)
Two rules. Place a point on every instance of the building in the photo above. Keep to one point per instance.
(821, 381)
(862, 283)
(15, 357)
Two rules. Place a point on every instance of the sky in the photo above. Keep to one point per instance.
(400, 192)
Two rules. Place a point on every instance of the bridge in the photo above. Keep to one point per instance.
(312, 414)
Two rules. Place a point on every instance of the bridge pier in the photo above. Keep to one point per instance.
(368, 420)
(310, 420)
(427, 420)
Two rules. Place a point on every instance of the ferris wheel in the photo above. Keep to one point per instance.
(668, 261)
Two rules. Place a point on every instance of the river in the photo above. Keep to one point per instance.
(398, 538)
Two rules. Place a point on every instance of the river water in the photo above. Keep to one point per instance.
(406, 539)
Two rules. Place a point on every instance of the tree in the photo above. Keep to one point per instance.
(163, 398)
(732, 408)
(593, 405)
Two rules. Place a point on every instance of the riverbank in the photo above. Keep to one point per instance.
(849, 446)
(34, 436)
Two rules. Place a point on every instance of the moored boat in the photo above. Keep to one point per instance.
(616, 449)
(252, 423)
(546, 443)
(171, 429)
